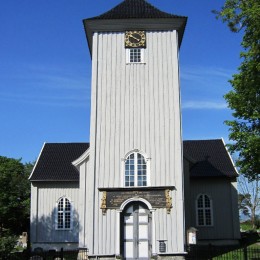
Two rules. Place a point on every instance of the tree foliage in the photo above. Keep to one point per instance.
(249, 198)
(7, 244)
(14, 195)
(244, 98)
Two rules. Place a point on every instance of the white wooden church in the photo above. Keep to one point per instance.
(137, 187)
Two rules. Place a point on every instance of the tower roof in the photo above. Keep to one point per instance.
(130, 9)
(134, 15)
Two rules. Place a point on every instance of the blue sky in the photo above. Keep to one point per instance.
(45, 71)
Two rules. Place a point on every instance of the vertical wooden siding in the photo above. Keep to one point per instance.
(46, 196)
(136, 106)
(222, 192)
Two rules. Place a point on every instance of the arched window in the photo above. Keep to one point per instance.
(204, 210)
(63, 220)
(135, 170)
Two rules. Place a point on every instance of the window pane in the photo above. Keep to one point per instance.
(127, 181)
(60, 205)
(204, 210)
(207, 202)
(67, 220)
(200, 217)
(64, 214)
(67, 205)
(60, 220)
(141, 170)
(141, 159)
(208, 216)
(135, 55)
(200, 202)
(135, 166)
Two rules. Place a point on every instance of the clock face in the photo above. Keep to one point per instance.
(135, 39)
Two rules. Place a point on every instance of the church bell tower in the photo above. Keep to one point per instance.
(131, 191)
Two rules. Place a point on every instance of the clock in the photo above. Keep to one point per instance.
(135, 39)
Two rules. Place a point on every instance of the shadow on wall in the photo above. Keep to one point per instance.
(223, 208)
(44, 231)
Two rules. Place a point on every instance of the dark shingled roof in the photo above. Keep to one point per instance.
(55, 162)
(134, 15)
(130, 9)
(211, 158)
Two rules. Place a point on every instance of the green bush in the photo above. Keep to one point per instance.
(245, 226)
(7, 244)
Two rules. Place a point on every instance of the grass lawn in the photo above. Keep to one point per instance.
(249, 250)
(252, 253)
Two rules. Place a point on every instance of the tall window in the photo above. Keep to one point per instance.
(135, 170)
(64, 214)
(204, 210)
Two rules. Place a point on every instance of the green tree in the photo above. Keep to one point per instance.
(244, 99)
(249, 198)
(14, 195)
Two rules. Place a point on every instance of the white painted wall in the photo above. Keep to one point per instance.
(44, 197)
(134, 106)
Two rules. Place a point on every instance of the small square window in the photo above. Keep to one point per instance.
(135, 55)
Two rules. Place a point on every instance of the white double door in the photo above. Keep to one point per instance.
(136, 232)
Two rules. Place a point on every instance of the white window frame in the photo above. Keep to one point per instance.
(63, 214)
(204, 208)
(128, 53)
(147, 160)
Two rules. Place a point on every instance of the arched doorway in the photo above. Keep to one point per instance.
(136, 231)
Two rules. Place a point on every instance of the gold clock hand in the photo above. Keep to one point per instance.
(134, 37)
